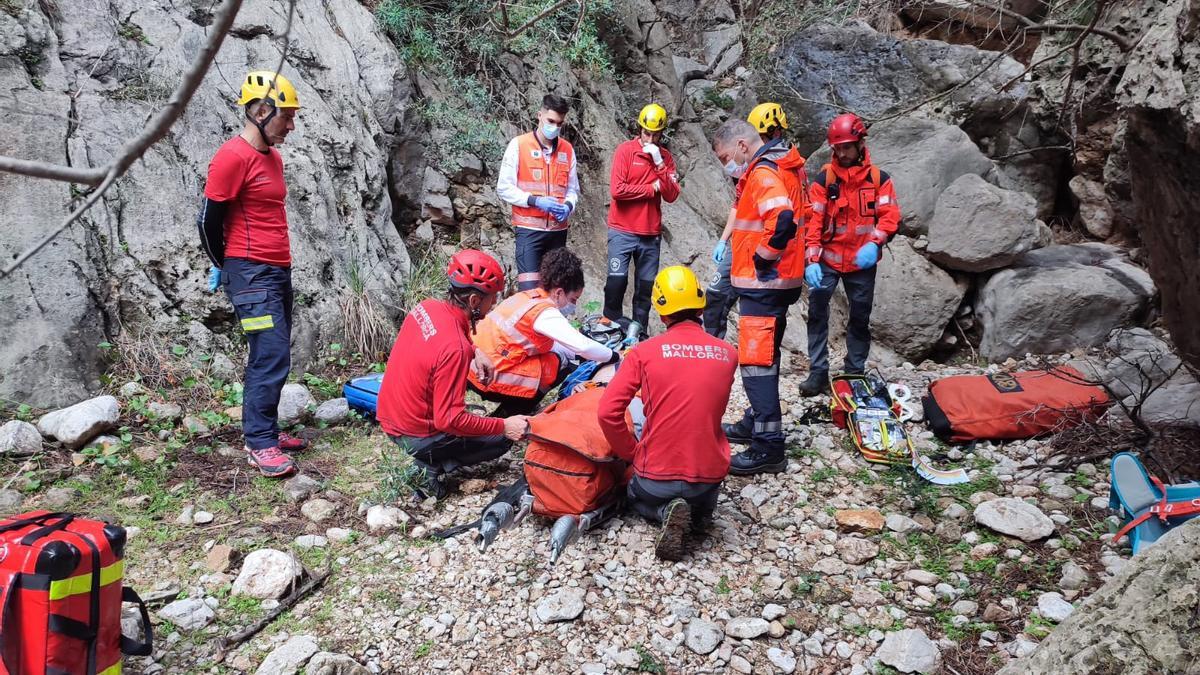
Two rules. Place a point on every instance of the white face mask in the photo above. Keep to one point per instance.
(734, 170)
(550, 131)
(568, 309)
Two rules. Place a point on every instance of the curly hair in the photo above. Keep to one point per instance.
(561, 269)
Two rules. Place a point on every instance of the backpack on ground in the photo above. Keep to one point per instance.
(362, 393)
(60, 597)
(1011, 405)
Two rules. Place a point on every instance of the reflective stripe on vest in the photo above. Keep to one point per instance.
(507, 336)
(774, 284)
(542, 178)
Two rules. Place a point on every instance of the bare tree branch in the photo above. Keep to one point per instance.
(1028, 24)
(541, 15)
(158, 127)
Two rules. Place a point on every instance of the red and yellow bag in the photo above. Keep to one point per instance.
(569, 465)
(61, 595)
(1011, 405)
(851, 391)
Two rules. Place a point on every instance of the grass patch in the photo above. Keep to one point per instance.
(647, 663)
(824, 474)
(722, 587)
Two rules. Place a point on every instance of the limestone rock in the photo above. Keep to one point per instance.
(1052, 606)
(382, 518)
(859, 520)
(1015, 518)
(294, 403)
(300, 487)
(10, 502)
(80, 423)
(1060, 298)
(190, 614)
(334, 411)
(564, 604)
(978, 227)
(910, 651)
(267, 574)
(703, 637)
(914, 301)
(318, 510)
(1139, 620)
(856, 551)
(1095, 211)
(221, 558)
(747, 627)
(18, 439)
(289, 657)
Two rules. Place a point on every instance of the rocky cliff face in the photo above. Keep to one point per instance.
(1159, 96)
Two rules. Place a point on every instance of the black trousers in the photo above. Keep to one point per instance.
(443, 453)
(650, 497)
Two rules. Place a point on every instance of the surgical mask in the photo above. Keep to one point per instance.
(569, 310)
(734, 170)
(550, 131)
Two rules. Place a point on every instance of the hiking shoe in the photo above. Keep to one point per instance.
(290, 443)
(676, 521)
(271, 462)
(853, 371)
(816, 384)
(425, 482)
(737, 433)
(752, 461)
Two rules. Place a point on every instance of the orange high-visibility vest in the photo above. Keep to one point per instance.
(523, 358)
(542, 176)
(763, 195)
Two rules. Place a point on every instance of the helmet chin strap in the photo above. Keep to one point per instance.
(262, 126)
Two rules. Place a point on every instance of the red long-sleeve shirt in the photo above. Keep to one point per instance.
(636, 208)
(424, 387)
(682, 437)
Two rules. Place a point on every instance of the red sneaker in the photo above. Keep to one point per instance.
(290, 443)
(271, 462)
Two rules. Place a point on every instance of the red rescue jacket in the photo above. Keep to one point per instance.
(865, 211)
(682, 437)
(425, 385)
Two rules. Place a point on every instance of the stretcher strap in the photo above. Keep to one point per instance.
(130, 646)
(1163, 510)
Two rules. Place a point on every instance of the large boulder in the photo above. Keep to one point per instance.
(80, 423)
(923, 157)
(979, 227)
(1160, 95)
(914, 301)
(876, 74)
(1061, 298)
(1140, 622)
(130, 261)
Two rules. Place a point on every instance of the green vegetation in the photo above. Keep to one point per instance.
(825, 473)
(423, 649)
(723, 586)
(717, 99)
(647, 662)
(132, 31)
(464, 43)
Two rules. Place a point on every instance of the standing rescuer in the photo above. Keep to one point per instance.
(422, 403)
(769, 120)
(767, 275)
(244, 228)
(538, 178)
(683, 456)
(643, 175)
(854, 214)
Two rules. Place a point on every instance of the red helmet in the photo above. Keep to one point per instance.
(475, 269)
(846, 128)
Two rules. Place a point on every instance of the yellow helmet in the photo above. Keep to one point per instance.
(258, 85)
(676, 289)
(653, 118)
(767, 116)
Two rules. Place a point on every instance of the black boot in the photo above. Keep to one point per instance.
(755, 460)
(816, 384)
(737, 433)
(677, 518)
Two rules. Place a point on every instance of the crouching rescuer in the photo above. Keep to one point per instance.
(684, 376)
(422, 404)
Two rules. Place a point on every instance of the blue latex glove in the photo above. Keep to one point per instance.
(546, 204)
(813, 275)
(629, 341)
(214, 279)
(867, 256)
(720, 250)
(560, 211)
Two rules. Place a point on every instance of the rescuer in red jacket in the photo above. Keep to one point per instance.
(422, 399)
(683, 456)
(854, 215)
